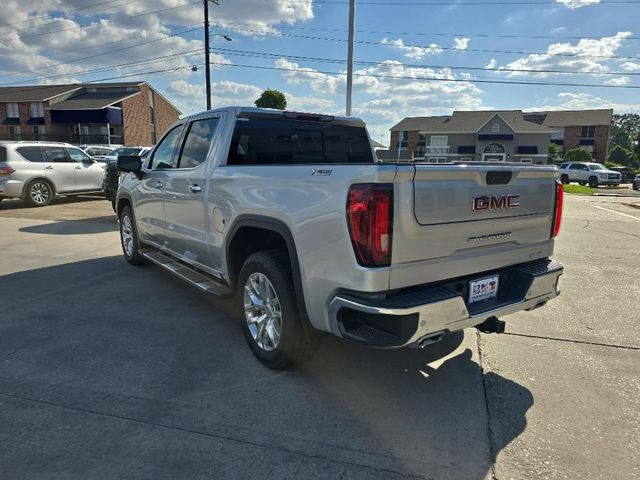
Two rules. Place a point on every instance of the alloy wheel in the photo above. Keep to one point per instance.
(40, 193)
(262, 311)
(127, 235)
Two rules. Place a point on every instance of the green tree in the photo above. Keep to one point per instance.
(577, 155)
(554, 152)
(272, 99)
(624, 128)
(620, 155)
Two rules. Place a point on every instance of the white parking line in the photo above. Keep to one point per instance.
(619, 213)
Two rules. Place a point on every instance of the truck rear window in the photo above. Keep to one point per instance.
(259, 141)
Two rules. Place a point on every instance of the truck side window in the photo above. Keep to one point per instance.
(165, 155)
(197, 142)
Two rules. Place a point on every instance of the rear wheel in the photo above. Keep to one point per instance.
(39, 193)
(593, 182)
(129, 237)
(564, 178)
(269, 313)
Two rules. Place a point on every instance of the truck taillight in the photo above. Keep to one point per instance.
(557, 213)
(370, 221)
(5, 170)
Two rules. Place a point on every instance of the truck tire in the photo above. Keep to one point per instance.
(269, 313)
(564, 178)
(593, 182)
(39, 193)
(129, 237)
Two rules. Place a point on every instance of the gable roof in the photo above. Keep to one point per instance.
(572, 118)
(37, 93)
(91, 100)
(470, 122)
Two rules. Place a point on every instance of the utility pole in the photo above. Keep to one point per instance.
(207, 67)
(352, 22)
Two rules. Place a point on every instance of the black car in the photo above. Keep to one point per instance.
(636, 183)
(112, 178)
(628, 174)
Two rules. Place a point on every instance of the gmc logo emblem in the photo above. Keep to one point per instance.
(496, 203)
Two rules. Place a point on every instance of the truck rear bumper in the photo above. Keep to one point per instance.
(420, 314)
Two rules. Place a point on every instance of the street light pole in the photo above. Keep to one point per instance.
(207, 67)
(352, 21)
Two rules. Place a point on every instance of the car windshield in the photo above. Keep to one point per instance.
(126, 151)
(596, 167)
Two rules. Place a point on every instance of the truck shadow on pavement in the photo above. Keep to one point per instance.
(124, 371)
(102, 224)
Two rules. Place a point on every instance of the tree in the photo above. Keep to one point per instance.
(621, 156)
(554, 152)
(577, 155)
(624, 129)
(272, 99)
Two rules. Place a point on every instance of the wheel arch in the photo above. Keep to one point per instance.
(235, 254)
(41, 178)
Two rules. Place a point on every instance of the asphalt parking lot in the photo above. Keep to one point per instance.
(112, 371)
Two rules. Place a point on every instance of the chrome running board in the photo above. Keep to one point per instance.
(194, 277)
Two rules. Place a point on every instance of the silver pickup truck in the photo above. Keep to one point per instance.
(292, 213)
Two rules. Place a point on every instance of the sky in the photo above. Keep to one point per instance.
(412, 57)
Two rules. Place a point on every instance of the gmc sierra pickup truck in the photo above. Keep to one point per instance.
(293, 214)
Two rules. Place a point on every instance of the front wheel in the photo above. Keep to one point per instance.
(593, 182)
(39, 193)
(129, 237)
(564, 178)
(269, 313)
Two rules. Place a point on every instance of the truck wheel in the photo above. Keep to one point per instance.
(564, 178)
(269, 312)
(593, 182)
(129, 237)
(39, 193)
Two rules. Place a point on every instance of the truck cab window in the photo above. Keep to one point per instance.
(165, 155)
(197, 142)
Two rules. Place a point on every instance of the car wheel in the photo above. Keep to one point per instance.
(129, 237)
(39, 193)
(270, 318)
(593, 182)
(564, 178)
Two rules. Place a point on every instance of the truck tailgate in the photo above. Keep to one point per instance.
(453, 220)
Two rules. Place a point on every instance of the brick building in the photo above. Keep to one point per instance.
(131, 113)
(586, 129)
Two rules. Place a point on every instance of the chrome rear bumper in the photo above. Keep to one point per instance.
(406, 318)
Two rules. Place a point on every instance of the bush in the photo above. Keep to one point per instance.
(577, 155)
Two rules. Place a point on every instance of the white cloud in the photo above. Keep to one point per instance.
(413, 52)
(586, 101)
(591, 55)
(618, 81)
(575, 4)
(492, 64)
(461, 43)
(631, 66)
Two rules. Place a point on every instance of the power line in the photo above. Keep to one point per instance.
(435, 79)
(87, 7)
(82, 27)
(231, 25)
(99, 54)
(464, 3)
(484, 50)
(230, 51)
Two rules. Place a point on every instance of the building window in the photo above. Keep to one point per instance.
(588, 132)
(420, 151)
(422, 137)
(38, 132)
(37, 110)
(495, 128)
(438, 160)
(12, 110)
(439, 140)
(15, 133)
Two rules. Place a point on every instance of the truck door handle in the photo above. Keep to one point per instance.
(195, 188)
(159, 184)
(49, 167)
(78, 167)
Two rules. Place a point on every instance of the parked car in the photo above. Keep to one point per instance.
(113, 155)
(99, 151)
(112, 177)
(628, 174)
(593, 174)
(636, 183)
(38, 171)
(292, 212)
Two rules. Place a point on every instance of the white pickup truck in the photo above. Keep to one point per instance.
(292, 213)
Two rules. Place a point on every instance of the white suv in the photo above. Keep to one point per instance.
(593, 174)
(37, 171)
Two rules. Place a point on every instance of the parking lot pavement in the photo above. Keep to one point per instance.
(113, 371)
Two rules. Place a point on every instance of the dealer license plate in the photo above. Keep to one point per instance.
(483, 289)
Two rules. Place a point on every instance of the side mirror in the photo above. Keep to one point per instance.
(130, 163)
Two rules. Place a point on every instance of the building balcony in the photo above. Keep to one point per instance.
(67, 138)
(438, 150)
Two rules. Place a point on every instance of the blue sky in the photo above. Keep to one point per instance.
(298, 44)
